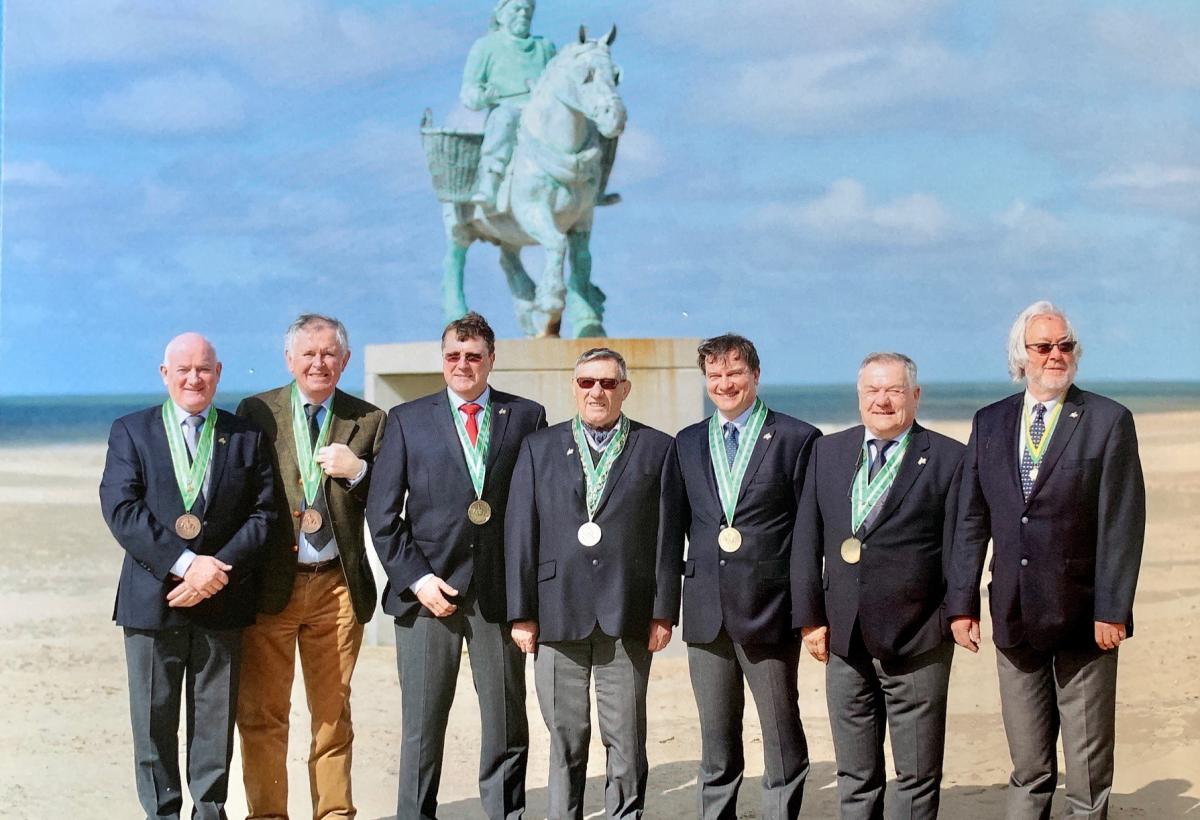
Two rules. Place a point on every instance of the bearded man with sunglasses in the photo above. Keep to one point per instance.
(593, 580)
(1052, 477)
(436, 514)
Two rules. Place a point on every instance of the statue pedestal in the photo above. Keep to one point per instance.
(668, 388)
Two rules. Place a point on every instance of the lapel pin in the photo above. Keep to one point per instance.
(1075, 414)
(221, 440)
(572, 450)
(767, 437)
(503, 411)
(921, 461)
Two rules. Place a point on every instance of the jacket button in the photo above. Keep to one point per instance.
(722, 562)
(1024, 519)
(595, 562)
(295, 547)
(1024, 562)
(864, 546)
(295, 513)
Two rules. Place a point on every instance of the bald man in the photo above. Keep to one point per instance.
(187, 493)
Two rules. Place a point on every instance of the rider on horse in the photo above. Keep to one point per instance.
(501, 68)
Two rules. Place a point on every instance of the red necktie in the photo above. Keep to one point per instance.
(471, 408)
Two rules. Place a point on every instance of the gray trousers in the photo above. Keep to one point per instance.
(428, 653)
(904, 698)
(562, 674)
(1041, 693)
(717, 671)
(164, 665)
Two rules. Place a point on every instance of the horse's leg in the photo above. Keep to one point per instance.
(454, 300)
(585, 301)
(537, 219)
(522, 287)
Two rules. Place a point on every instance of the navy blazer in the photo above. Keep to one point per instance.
(140, 500)
(1070, 555)
(631, 576)
(746, 591)
(417, 505)
(896, 590)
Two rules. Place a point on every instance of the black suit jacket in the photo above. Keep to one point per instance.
(1070, 555)
(140, 501)
(896, 591)
(631, 576)
(746, 591)
(421, 465)
(358, 425)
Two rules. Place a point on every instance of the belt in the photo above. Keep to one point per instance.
(320, 566)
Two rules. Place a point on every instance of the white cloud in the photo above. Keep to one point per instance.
(1151, 185)
(1157, 50)
(1027, 230)
(182, 102)
(640, 156)
(845, 215)
(294, 43)
(34, 174)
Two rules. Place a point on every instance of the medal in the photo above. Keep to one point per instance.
(479, 511)
(187, 526)
(866, 492)
(589, 534)
(852, 550)
(729, 539)
(310, 521)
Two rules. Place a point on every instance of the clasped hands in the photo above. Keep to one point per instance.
(525, 635)
(205, 577)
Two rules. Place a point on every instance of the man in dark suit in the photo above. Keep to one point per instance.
(436, 515)
(593, 581)
(316, 588)
(873, 535)
(743, 471)
(1052, 477)
(187, 493)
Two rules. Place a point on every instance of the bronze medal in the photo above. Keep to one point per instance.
(730, 539)
(310, 521)
(480, 512)
(187, 526)
(852, 550)
(589, 534)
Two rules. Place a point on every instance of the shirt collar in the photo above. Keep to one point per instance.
(457, 401)
(181, 415)
(325, 405)
(739, 422)
(1030, 401)
(868, 436)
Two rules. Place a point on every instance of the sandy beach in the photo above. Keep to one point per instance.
(63, 690)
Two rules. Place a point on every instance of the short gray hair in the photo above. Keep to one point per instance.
(597, 353)
(1018, 356)
(308, 321)
(910, 367)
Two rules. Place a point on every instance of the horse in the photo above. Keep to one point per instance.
(548, 195)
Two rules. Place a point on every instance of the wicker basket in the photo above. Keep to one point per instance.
(453, 160)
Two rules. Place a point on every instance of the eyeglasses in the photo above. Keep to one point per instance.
(471, 358)
(605, 384)
(1044, 348)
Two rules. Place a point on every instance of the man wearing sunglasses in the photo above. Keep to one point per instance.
(593, 581)
(436, 514)
(743, 471)
(1052, 477)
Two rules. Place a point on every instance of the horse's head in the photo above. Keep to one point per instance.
(587, 81)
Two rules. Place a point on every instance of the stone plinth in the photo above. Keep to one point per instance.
(668, 389)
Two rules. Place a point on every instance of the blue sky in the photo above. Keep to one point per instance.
(829, 178)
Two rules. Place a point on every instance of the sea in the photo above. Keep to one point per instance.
(26, 420)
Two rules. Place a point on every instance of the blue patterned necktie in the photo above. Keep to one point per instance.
(731, 441)
(1036, 430)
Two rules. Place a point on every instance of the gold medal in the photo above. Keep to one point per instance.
(187, 526)
(852, 550)
(480, 512)
(729, 539)
(589, 534)
(310, 521)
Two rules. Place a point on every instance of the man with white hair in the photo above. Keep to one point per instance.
(1052, 477)
(873, 532)
(187, 492)
(317, 589)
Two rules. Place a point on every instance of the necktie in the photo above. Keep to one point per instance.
(471, 409)
(191, 434)
(1036, 430)
(731, 441)
(881, 448)
(317, 540)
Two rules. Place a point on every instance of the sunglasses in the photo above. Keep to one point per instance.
(605, 384)
(1044, 348)
(471, 358)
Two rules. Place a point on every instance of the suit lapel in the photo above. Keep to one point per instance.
(500, 415)
(341, 429)
(614, 475)
(1068, 421)
(220, 453)
(766, 437)
(574, 466)
(1008, 442)
(911, 467)
(443, 422)
(289, 459)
